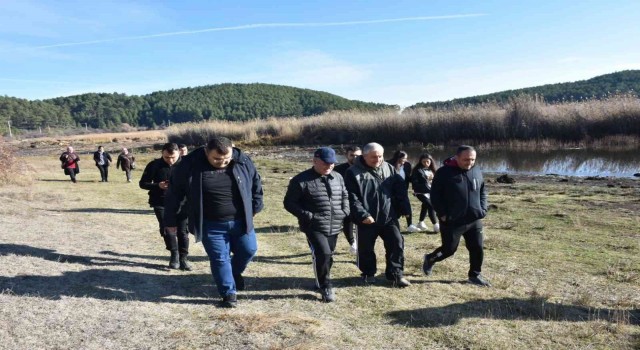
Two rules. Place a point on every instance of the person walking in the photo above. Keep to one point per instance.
(126, 162)
(155, 179)
(403, 168)
(319, 199)
(421, 179)
(460, 200)
(103, 160)
(70, 163)
(348, 227)
(224, 192)
(377, 197)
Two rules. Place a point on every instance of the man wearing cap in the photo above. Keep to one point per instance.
(377, 198)
(319, 199)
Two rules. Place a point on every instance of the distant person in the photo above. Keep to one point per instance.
(155, 179)
(224, 192)
(318, 198)
(347, 224)
(403, 168)
(126, 162)
(103, 160)
(421, 179)
(70, 163)
(377, 197)
(183, 149)
(460, 200)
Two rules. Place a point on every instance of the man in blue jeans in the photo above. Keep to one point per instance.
(223, 192)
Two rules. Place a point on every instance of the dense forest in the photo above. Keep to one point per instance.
(599, 87)
(235, 102)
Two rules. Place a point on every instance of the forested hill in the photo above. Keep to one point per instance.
(223, 101)
(620, 82)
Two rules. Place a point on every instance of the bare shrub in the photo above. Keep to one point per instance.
(12, 170)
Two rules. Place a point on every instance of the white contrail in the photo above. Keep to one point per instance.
(253, 26)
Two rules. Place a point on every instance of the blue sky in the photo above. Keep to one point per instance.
(397, 52)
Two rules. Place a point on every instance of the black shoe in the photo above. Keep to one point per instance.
(427, 266)
(229, 301)
(239, 282)
(328, 296)
(369, 279)
(401, 282)
(185, 265)
(479, 281)
(174, 263)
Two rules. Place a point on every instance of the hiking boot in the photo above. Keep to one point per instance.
(185, 265)
(239, 282)
(353, 249)
(422, 226)
(427, 266)
(479, 281)
(436, 227)
(412, 228)
(401, 282)
(369, 279)
(229, 301)
(328, 296)
(174, 263)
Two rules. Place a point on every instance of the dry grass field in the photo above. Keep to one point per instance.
(83, 267)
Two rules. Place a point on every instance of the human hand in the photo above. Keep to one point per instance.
(163, 185)
(368, 221)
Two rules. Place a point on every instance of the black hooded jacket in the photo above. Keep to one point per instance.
(458, 195)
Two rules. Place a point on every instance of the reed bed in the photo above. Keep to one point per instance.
(614, 121)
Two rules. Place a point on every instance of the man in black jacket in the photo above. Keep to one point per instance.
(377, 198)
(318, 198)
(459, 198)
(103, 160)
(223, 192)
(155, 179)
(352, 152)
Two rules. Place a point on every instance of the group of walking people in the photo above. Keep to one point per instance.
(215, 191)
(70, 163)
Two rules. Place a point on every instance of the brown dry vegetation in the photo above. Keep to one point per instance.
(84, 267)
(614, 121)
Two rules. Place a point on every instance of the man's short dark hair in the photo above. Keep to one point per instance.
(170, 147)
(464, 148)
(352, 149)
(182, 145)
(220, 144)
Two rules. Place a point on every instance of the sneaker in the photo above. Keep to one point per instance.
(354, 248)
(422, 226)
(401, 282)
(427, 266)
(185, 265)
(328, 296)
(412, 228)
(229, 301)
(239, 282)
(479, 281)
(369, 279)
(436, 227)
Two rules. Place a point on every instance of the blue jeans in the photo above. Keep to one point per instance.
(220, 239)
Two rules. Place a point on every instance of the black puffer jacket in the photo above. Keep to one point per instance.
(155, 172)
(383, 197)
(459, 195)
(319, 202)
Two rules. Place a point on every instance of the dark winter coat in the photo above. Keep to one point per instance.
(407, 172)
(124, 161)
(382, 197)
(107, 158)
(155, 172)
(319, 202)
(70, 162)
(342, 168)
(186, 181)
(458, 195)
(420, 182)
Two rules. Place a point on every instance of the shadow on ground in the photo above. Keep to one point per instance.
(108, 210)
(537, 309)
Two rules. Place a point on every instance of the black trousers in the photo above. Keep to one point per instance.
(347, 229)
(322, 248)
(393, 246)
(178, 241)
(427, 207)
(128, 173)
(104, 172)
(450, 235)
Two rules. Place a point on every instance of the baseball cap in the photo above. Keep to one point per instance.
(326, 154)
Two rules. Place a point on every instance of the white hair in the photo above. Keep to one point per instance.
(372, 146)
